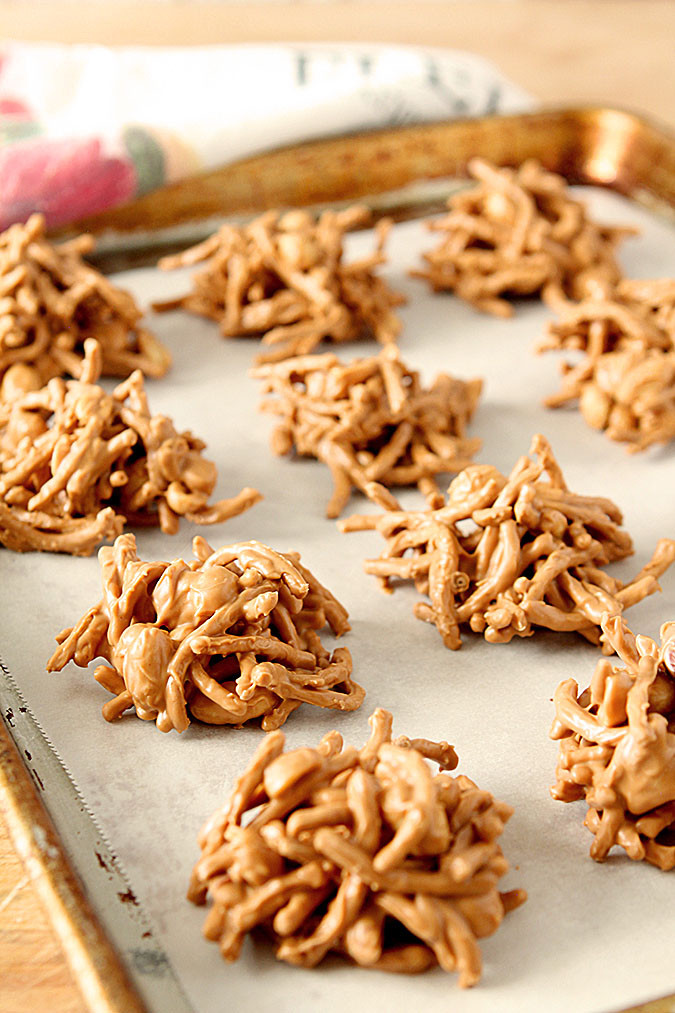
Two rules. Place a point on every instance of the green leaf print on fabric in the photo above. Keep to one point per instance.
(18, 131)
(17, 121)
(148, 158)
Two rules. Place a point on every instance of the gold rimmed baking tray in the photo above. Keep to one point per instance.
(403, 172)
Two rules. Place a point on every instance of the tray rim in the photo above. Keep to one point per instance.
(298, 174)
(97, 968)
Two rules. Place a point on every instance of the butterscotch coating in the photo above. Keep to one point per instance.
(617, 746)
(366, 853)
(51, 301)
(228, 638)
(504, 556)
(371, 421)
(625, 382)
(77, 463)
(283, 278)
(519, 232)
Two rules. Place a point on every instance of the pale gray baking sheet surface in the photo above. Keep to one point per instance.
(591, 937)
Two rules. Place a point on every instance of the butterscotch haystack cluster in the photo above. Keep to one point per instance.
(226, 639)
(366, 853)
(77, 463)
(617, 746)
(372, 422)
(506, 555)
(283, 278)
(51, 301)
(625, 381)
(519, 232)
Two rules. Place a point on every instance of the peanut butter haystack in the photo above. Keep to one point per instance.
(226, 639)
(519, 232)
(372, 422)
(625, 381)
(506, 555)
(77, 463)
(282, 277)
(51, 301)
(617, 746)
(366, 853)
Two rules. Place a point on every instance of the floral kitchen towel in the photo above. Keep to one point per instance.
(86, 128)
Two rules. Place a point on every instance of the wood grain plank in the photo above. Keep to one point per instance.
(33, 971)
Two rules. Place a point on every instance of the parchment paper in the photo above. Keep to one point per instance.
(591, 937)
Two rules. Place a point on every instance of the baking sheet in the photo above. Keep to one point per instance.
(591, 937)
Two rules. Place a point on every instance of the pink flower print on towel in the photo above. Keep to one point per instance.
(64, 179)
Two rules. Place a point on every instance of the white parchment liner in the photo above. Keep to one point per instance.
(591, 937)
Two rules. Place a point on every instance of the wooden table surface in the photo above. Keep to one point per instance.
(563, 51)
